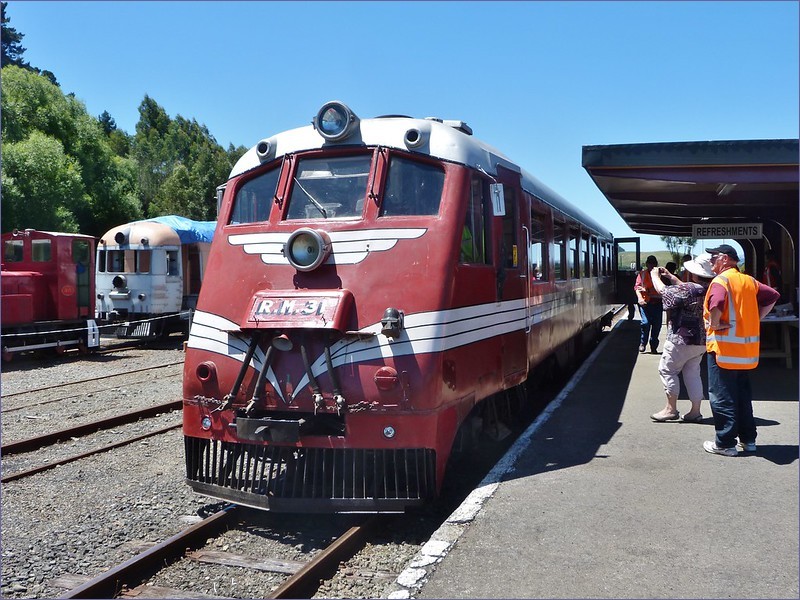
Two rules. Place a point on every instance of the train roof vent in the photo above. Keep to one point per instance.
(460, 125)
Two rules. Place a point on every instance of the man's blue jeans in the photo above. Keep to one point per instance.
(652, 316)
(731, 399)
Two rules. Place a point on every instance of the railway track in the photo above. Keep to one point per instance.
(302, 582)
(64, 461)
(81, 382)
(43, 415)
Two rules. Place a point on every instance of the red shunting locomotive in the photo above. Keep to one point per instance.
(372, 284)
(47, 292)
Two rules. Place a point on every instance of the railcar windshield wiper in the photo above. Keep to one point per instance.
(318, 206)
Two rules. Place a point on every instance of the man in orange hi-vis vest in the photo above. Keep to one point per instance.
(651, 310)
(734, 305)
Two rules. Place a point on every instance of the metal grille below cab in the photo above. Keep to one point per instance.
(289, 479)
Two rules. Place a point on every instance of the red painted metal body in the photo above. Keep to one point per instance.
(47, 290)
(323, 361)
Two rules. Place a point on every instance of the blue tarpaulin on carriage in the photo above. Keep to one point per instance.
(188, 231)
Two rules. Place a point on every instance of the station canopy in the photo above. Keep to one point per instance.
(665, 188)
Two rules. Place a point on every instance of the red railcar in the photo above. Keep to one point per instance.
(47, 292)
(372, 285)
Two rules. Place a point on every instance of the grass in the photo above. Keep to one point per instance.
(663, 256)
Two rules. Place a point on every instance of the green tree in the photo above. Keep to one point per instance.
(678, 246)
(119, 141)
(11, 41)
(12, 49)
(149, 150)
(33, 108)
(42, 186)
(180, 163)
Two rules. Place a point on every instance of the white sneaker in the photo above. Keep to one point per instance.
(714, 449)
(748, 447)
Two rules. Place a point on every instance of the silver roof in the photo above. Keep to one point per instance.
(441, 140)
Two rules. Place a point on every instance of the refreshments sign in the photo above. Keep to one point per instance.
(728, 230)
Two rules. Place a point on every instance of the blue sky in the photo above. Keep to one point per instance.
(537, 80)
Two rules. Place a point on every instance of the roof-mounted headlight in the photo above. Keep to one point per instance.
(265, 150)
(306, 249)
(335, 121)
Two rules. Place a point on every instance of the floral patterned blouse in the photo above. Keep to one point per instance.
(684, 302)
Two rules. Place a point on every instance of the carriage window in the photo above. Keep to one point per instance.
(412, 188)
(603, 267)
(572, 256)
(329, 188)
(80, 252)
(121, 261)
(538, 249)
(586, 268)
(143, 261)
(172, 262)
(595, 257)
(475, 234)
(253, 200)
(509, 246)
(559, 233)
(12, 252)
(41, 250)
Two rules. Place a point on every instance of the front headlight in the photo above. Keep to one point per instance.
(306, 249)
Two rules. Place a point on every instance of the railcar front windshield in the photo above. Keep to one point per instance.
(329, 188)
(412, 188)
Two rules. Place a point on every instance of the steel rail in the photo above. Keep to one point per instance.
(305, 582)
(34, 443)
(64, 461)
(80, 381)
(60, 398)
(136, 570)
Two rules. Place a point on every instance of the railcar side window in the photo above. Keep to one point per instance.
(412, 188)
(121, 261)
(41, 250)
(172, 263)
(12, 251)
(82, 259)
(559, 247)
(253, 200)
(474, 235)
(328, 188)
(509, 245)
(595, 257)
(538, 249)
(586, 268)
(143, 261)
(573, 257)
(80, 252)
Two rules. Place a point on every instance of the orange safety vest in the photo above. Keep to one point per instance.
(649, 291)
(738, 346)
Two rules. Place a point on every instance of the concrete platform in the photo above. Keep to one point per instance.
(597, 501)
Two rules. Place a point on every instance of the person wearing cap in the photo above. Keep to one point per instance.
(686, 336)
(650, 308)
(733, 308)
